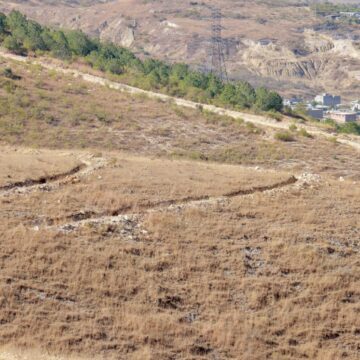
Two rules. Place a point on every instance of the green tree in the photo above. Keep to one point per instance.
(33, 39)
(12, 44)
(2, 24)
(48, 39)
(228, 94)
(197, 79)
(214, 86)
(245, 95)
(241, 95)
(79, 43)
(114, 66)
(17, 24)
(179, 71)
(268, 100)
(60, 47)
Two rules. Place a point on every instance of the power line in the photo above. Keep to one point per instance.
(218, 65)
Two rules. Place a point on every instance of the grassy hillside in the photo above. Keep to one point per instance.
(153, 248)
(42, 108)
(109, 264)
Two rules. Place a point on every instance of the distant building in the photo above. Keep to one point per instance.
(267, 41)
(292, 102)
(356, 106)
(328, 100)
(343, 116)
(333, 16)
(322, 107)
(315, 113)
(350, 14)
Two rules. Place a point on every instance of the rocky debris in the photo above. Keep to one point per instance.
(128, 227)
(352, 244)
(201, 350)
(308, 179)
(170, 302)
(190, 317)
(252, 260)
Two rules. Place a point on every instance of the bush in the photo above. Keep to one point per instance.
(10, 75)
(349, 128)
(304, 133)
(284, 136)
(275, 115)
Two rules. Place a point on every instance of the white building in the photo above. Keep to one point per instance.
(343, 116)
(328, 100)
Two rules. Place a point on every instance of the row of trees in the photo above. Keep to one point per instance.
(21, 36)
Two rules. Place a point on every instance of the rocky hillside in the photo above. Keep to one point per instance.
(280, 43)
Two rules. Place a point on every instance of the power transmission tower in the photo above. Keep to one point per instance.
(218, 66)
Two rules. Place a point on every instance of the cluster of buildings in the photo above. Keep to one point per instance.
(345, 14)
(328, 106)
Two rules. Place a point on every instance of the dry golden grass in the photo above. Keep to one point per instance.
(20, 165)
(272, 275)
(46, 109)
(130, 184)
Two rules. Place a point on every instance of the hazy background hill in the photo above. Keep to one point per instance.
(282, 44)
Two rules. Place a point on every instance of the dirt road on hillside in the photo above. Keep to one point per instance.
(255, 119)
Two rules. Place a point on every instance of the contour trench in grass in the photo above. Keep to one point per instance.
(126, 218)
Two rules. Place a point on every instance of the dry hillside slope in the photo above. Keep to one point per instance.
(132, 228)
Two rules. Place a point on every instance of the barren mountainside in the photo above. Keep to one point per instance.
(279, 43)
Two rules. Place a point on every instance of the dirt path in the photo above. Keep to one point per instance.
(255, 119)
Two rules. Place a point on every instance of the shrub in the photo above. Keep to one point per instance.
(304, 133)
(275, 115)
(349, 128)
(10, 75)
(284, 136)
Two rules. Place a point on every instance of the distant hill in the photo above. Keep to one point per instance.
(283, 44)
